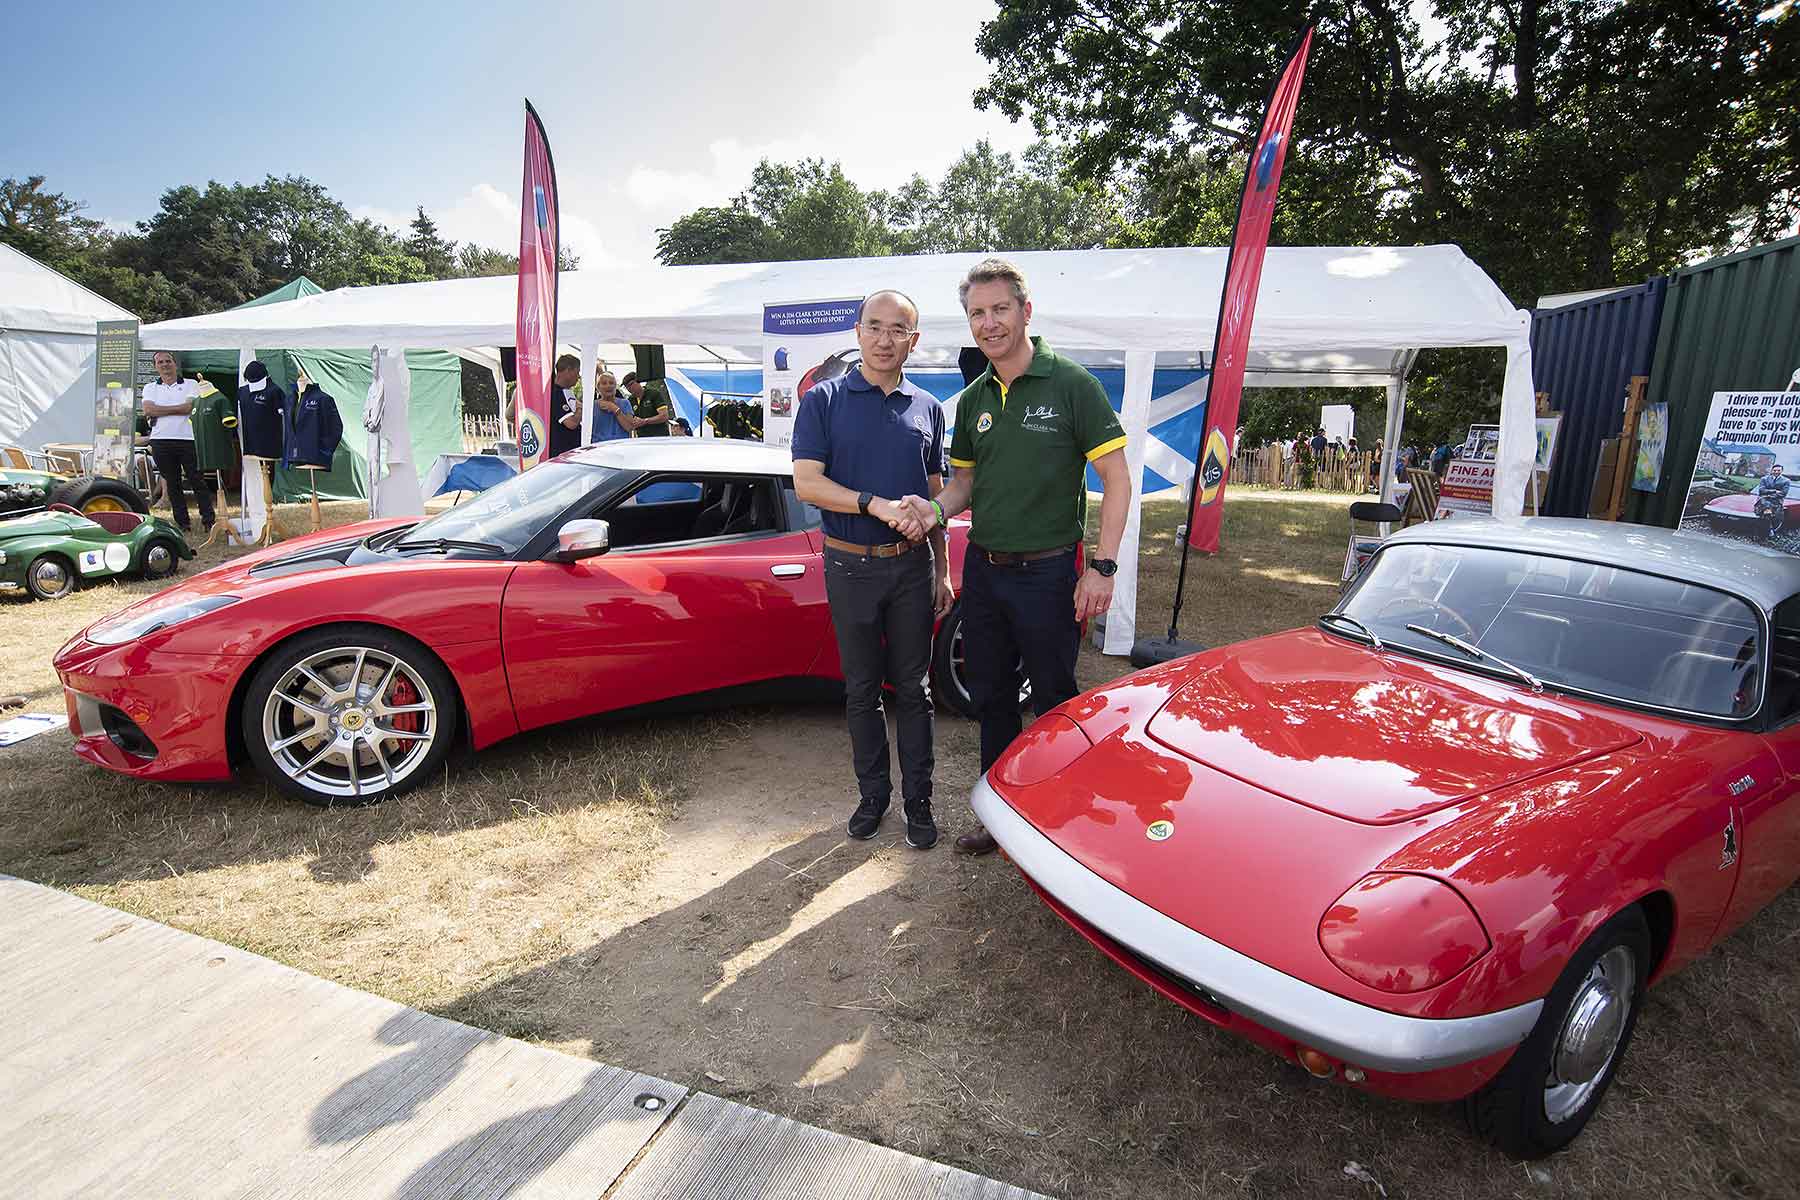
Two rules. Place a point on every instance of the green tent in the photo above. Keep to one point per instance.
(435, 411)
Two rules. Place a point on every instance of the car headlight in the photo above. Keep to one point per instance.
(115, 631)
(1401, 933)
(1052, 743)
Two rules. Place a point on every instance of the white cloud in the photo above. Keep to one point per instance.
(487, 216)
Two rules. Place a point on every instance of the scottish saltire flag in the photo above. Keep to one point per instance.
(1243, 272)
(535, 326)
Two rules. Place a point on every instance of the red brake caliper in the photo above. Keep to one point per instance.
(403, 692)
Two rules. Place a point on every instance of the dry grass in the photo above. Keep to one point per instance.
(675, 895)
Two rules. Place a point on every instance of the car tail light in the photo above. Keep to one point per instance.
(1401, 933)
(1052, 743)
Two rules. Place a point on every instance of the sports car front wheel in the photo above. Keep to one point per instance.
(349, 716)
(1556, 1079)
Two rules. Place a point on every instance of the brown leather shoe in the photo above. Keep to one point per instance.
(979, 842)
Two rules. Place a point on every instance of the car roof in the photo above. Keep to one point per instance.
(686, 454)
(1760, 574)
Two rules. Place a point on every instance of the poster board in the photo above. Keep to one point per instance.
(804, 344)
(1547, 429)
(1467, 489)
(1482, 443)
(1652, 443)
(1338, 421)
(115, 396)
(1746, 436)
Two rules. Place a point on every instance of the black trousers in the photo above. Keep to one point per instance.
(174, 459)
(1015, 616)
(881, 611)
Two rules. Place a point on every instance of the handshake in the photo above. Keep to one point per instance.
(912, 517)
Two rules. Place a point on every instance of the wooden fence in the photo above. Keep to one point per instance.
(1335, 471)
(481, 432)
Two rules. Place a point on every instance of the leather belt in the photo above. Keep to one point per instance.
(885, 550)
(1007, 558)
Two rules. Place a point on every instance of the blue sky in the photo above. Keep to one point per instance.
(652, 108)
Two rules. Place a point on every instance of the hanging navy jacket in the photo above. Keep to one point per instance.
(315, 429)
(262, 418)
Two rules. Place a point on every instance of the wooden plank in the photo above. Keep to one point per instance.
(146, 1061)
(1634, 401)
(716, 1150)
(140, 1060)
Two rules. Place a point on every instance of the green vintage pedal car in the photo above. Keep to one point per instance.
(50, 553)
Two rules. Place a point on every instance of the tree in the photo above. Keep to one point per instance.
(986, 201)
(1563, 143)
(46, 225)
(437, 255)
(729, 234)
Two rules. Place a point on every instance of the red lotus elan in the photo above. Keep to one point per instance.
(1438, 846)
(344, 664)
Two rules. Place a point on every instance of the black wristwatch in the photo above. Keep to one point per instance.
(1106, 566)
(863, 501)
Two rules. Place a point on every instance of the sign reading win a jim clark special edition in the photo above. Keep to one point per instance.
(803, 344)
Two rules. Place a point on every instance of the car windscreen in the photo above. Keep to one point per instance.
(509, 513)
(1603, 630)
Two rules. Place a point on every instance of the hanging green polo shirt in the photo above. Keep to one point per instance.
(215, 430)
(1030, 445)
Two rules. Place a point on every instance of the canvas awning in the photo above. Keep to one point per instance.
(1325, 316)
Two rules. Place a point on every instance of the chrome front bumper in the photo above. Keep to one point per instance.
(1351, 1032)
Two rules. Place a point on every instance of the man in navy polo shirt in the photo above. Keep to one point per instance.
(862, 441)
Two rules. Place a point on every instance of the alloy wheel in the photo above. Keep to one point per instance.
(350, 721)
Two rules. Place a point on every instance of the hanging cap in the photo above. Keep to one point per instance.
(256, 371)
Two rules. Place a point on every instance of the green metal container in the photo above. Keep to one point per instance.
(1728, 324)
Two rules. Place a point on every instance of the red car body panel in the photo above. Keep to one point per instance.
(528, 644)
(1544, 814)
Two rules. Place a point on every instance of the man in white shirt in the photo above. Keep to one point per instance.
(169, 404)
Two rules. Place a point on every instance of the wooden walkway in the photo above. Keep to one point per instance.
(138, 1060)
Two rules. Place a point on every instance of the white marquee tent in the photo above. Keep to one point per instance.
(47, 353)
(1325, 316)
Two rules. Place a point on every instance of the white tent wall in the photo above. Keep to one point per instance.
(46, 388)
(1326, 316)
(47, 353)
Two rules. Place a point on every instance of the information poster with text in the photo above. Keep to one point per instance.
(803, 344)
(115, 396)
(1742, 487)
(1467, 490)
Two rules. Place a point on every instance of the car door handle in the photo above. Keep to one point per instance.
(788, 570)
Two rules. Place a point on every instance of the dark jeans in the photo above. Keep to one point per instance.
(174, 458)
(1024, 612)
(881, 610)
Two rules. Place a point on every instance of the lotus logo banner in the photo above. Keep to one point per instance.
(1243, 272)
(534, 329)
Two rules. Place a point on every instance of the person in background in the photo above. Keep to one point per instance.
(650, 405)
(613, 418)
(681, 427)
(1440, 460)
(1318, 445)
(565, 408)
(169, 404)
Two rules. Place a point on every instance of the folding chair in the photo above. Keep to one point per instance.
(1422, 501)
(1363, 546)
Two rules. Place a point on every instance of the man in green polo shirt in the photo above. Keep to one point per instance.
(1026, 431)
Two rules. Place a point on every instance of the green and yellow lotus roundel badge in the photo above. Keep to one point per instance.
(1160, 831)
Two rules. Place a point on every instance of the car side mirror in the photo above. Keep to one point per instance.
(581, 539)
